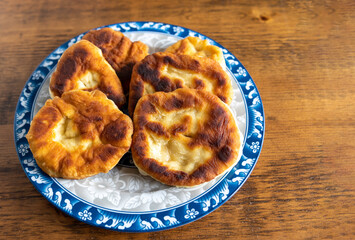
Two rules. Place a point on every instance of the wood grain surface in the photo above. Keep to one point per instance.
(301, 55)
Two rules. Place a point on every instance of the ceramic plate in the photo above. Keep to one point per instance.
(122, 199)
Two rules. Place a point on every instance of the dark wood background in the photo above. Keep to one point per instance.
(301, 55)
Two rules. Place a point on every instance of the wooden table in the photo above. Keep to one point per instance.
(301, 55)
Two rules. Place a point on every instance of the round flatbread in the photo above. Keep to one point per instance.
(185, 137)
(79, 135)
(83, 67)
(166, 72)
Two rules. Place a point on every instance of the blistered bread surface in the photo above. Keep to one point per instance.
(82, 66)
(184, 138)
(79, 135)
(119, 51)
(167, 72)
(195, 46)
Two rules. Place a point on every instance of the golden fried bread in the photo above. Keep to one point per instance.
(79, 135)
(167, 72)
(195, 46)
(82, 66)
(119, 51)
(185, 137)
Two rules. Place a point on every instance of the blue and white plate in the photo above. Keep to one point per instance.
(122, 199)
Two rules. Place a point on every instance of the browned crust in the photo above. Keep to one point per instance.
(119, 51)
(96, 118)
(219, 133)
(81, 57)
(148, 72)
